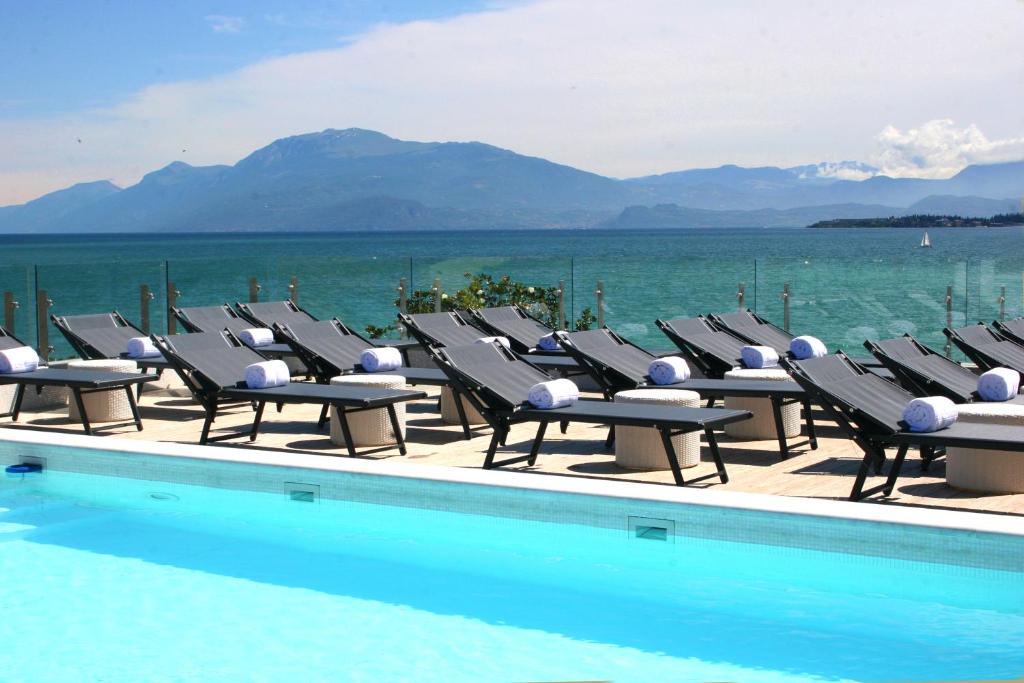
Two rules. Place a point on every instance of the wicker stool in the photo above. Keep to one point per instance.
(983, 470)
(103, 406)
(762, 425)
(641, 448)
(369, 427)
(450, 412)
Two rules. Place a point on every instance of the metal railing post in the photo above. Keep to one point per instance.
(10, 305)
(949, 318)
(561, 304)
(43, 304)
(785, 306)
(172, 303)
(436, 289)
(145, 296)
(741, 294)
(600, 303)
(293, 290)
(403, 296)
(254, 290)
(1002, 304)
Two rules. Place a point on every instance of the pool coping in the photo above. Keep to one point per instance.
(979, 522)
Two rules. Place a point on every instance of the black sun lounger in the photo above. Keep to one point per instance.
(870, 410)
(104, 335)
(212, 365)
(986, 348)
(522, 330)
(223, 317)
(926, 372)
(617, 364)
(266, 313)
(330, 348)
(753, 329)
(453, 329)
(496, 381)
(1011, 329)
(712, 350)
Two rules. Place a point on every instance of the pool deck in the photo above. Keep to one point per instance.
(169, 415)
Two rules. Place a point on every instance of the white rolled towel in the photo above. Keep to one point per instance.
(381, 359)
(548, 343)
(256, 336)
(758, 357)
(142, 347)
(558, 393)
(267, 374)
(998, 384)
(488, 340)
(18, 359)
(929, 414)
(668, 370)
(807, 347)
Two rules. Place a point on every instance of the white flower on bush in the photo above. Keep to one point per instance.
(530, 290)
(479, 292)
(443, 297)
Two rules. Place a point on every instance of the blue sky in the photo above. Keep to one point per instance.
(112, 89)
(71, 54)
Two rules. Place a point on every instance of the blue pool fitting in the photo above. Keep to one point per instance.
(23, 468)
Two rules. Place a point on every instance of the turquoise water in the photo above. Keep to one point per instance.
(846, 285)
(104, 581)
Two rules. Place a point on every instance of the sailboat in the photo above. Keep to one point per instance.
(926, 243)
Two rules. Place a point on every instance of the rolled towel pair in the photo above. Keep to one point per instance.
(998, 384)
(489, 340)
(255, 337)
(806, 347)
(668, 370)
(758, 357)
(929, 414)
(142, 347)
(18, 359)
(267, 374)
(558, 393)
(381, 359)
(548, 343)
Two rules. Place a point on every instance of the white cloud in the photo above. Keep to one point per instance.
(618, 88)
(224, 24)
(938, 149)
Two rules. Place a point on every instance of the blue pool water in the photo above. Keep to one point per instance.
(109, 579)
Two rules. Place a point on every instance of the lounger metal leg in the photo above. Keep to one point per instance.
(709, 435)
(894, 470)
(256, 421)
(396, 428)
(812, 437)
(870, 459)
(77, 394)
(710, 403)
(927, 457)
(461, 409)
(563, 426)
(537, 440)
(780, 426)
(323, 416)
(211, 414)
(134, 406)
(19, 393)
(492, 448)
(670, 453)
(280, 407)
(345, 431)
(610, 441)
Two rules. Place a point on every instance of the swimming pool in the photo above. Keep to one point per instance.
(284, 572)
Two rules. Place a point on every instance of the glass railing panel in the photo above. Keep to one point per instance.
(101, 287)
(846, 301)
(17, 312)
(637, 291)
(995, 289)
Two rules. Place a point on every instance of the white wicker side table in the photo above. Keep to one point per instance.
(762, 425)
(641, 448)
(983, 470)
(450, 410)
(103, 406)
(369, 427)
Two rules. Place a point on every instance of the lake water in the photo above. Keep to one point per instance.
(846, 285)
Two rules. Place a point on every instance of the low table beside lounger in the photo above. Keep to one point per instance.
(80, 383)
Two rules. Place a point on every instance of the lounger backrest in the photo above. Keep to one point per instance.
(986, 348)
(757, 331)
(925, 369)
(266, 313)
(714, 351)
(214, 355)
(871, 402)
(975, 335)
(92, 321)
(1011, 328)
(497, 377)
(327, 341)
(99, 335)
(624, 365)
(211, 319)
(514, 323)
(9, 341)
(445, 329)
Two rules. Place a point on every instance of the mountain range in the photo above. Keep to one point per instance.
(356, 179)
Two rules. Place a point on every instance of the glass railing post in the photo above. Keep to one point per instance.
(438, 294)
(1002, 304)
(599, 292)
(43, 304)
(145, 296)
(949, 317)
(741, 295)
(293, 290)
(785, 306)
(10, 305)
(254, 290)
(561, 304)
